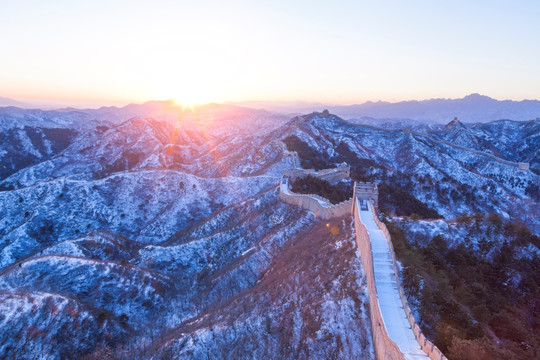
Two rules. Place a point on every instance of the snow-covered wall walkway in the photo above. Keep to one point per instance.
(396, 315)
(392, 311)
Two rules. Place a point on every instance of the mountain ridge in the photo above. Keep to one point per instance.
(471, 108)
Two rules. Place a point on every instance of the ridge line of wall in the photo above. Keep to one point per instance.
(520, 165)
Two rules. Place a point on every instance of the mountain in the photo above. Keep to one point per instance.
(131, 234)
(449, 174)
(470, 109)
(286, 107)
(11, 102)
(158, 231)
(463, 222)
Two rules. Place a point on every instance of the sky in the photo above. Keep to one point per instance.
(339, 51)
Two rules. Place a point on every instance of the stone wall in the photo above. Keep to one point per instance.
(321, 207)
(294, 174)
(523, 166)
(341, 172)
(427, 346)
(384, 347)
(292, 154)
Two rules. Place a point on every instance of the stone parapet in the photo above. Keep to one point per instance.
(320, 206)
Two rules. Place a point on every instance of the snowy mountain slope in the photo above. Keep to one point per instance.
(164, 227)
(509, 140)
(50, 326)
(20, 148)
(78, 278)
(292, 312)
(151, 221)
(449, 179)
(150, 144)
(148, 206)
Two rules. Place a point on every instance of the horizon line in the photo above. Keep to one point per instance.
(88, 105)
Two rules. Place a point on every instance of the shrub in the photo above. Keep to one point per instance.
(403, 202)
(309, 157)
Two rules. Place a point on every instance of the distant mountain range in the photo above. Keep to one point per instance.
(11, 102)
(472, 108)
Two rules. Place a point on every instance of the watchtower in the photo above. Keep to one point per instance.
(523, 166)
(367, 191)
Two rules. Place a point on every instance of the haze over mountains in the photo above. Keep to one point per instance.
(472, 108)
(11, 102)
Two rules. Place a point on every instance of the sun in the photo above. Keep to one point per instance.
(190, 87)
(193, 94)
(185, 105)
(191, 101)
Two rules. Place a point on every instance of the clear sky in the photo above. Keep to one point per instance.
(338, 51)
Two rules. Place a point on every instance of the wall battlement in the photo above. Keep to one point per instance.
(342, 171)
(367, 191)
(319, 205)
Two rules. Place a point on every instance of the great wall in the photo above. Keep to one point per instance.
(395, 333)
(320, 206)
(520, 165)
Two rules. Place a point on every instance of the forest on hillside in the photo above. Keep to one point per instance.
(310, 184)
(477, 297)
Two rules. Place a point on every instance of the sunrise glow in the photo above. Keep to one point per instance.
(117, 52)
(314, 179)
